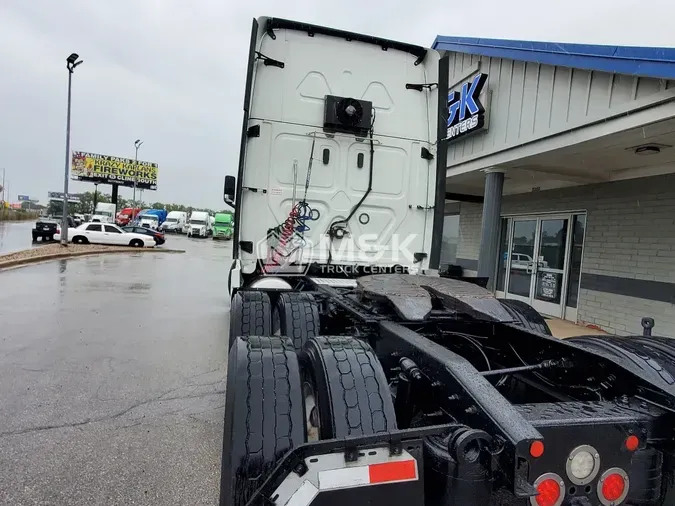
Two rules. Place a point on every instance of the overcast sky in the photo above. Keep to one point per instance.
(171, 72)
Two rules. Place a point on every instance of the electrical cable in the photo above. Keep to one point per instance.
(294, 226)
(334, 226)
(555, 385)
(479, 348)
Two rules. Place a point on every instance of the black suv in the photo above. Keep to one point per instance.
(45, 227)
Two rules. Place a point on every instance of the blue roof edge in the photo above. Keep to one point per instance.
(653, 62)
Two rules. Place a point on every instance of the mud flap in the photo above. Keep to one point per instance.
(379, 469)
(234, 277)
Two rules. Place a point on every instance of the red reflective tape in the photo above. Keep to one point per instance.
(393, 471)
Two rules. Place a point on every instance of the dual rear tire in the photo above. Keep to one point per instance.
(294, 315)
(285, 390)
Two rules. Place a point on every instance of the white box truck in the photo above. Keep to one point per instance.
(105, 213)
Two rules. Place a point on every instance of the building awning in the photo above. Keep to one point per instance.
(655, 62)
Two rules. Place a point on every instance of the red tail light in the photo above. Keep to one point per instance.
(551, 490)
(537, 449)
(613, 487)
(632, 443)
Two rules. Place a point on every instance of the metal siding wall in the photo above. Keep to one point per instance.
(530, 101)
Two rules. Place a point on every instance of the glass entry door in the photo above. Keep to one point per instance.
(537, 262)
(521, 259)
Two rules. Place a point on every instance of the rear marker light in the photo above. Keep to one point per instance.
(537, 449)
(613, 487)
(632, 443)
(551, 489)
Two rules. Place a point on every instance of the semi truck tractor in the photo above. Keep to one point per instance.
(126, 215)
(222, 226)
(199, 224)
(357, 374)
(151, 218)
(175, 222)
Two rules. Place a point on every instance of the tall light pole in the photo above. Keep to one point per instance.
(3, 186)
(71, 62)
(137, 144)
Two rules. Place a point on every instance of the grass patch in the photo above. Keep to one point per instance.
(18, 215)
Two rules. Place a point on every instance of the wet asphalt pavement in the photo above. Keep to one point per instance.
(112, 376)
(16, 236)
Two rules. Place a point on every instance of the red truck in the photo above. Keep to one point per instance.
(126, 215)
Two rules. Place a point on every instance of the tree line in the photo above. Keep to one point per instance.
(86, 205)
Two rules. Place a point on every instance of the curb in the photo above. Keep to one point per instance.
(19, 262)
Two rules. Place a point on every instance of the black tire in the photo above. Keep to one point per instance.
(136, 243)
(35, 237)
(264, 414)
(50, 237)
(250, 315)
(78, 239)
(351, 391)
(296, 316)
(526, 316)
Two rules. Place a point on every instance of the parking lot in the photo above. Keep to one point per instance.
(112, 385)
(16, 236)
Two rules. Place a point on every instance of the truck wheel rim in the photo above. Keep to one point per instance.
(312, 425)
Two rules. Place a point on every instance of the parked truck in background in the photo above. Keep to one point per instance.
(151, 218)
(222, 226)
(126, 215)
(359, 375)
(175, 221)
(199, 224)
(104, 213)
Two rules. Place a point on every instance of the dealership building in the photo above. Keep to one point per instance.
(561, 177)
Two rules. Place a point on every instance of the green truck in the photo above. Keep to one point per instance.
(222, 228)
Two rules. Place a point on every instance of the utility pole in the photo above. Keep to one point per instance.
(137, 144)
(3, 186)
(93, 211)
(71, 63)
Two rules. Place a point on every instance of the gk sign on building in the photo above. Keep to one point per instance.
(466, 113)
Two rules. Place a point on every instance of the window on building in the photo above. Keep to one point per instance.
(450, 240)
(574, 276)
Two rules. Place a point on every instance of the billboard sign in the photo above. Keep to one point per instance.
(106, 169)
(24, 197)
(72, 197)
